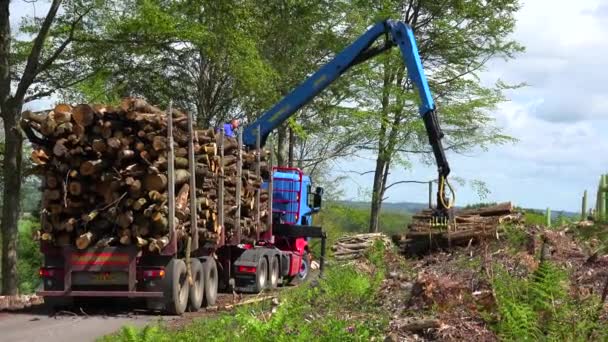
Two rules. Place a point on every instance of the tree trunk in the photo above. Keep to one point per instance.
(379, 172)
(292, 142)
(12, 191)
(280, 146)
(377, 192)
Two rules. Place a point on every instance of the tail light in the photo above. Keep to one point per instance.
(156, 273)
(47, 272)
(246, 269)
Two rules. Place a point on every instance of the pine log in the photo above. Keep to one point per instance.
(60, 149)
(181, 176)
(181, 201)
(83, 115)
(62, 113)
(495, 210)
(91, 167)
(84, 240)
(75, 188)
(156, 182)
(157, 245)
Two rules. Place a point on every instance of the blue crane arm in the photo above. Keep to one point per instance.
(357, 52)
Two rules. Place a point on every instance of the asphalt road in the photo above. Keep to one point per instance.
(83, 323)
(95, 318)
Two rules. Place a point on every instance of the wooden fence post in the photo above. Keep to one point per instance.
(584, 207)
(602, 200)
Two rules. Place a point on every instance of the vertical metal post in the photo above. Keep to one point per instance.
(323, 247)
(257, 192)
(239, 183)
(220, 195)
(192, 168)
(270, 187)
(171, 172)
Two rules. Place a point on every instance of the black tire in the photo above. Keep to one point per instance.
(261, 275)
(175, 285)
(196, 293)
(210, 277)
(273, 275)
(304, 273)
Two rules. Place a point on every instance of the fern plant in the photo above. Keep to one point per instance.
(539, 308)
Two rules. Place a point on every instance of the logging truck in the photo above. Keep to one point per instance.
(184, 270)
(188, 273)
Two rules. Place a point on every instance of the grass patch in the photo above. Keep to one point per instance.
(30, 258)
(341, 307)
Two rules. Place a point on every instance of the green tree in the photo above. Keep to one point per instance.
(455, 39)
(30, 70)
(225, 59)
(202, 54)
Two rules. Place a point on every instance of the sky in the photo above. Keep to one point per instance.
(559, 119)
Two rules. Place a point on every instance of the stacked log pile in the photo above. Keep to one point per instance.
(469, 225)
(105, 181)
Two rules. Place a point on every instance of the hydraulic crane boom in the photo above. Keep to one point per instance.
(359, 51)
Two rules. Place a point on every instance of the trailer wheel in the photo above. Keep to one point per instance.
(196, 292)
(176, 287)
(274, 272)
(210, 277)
(261, 275)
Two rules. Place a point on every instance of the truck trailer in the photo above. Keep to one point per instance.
(189, 276)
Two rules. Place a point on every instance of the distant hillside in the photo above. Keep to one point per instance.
(397, 207)
(411, 207)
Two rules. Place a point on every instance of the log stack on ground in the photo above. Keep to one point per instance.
(105, 182)
(354, 246)
(468, 226)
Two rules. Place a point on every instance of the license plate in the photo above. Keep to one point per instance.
(103, 277)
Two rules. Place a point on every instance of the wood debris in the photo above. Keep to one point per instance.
(355, 246)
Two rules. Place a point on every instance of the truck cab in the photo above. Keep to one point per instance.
(294, 201)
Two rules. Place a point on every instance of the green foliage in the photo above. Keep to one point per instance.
(305, 313)
(533, 217)
(150, 333)
(30, 258)
(538, 308)
(515, 236)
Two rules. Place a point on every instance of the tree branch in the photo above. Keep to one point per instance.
(33, 60)
(404, 182)
(63, 45)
